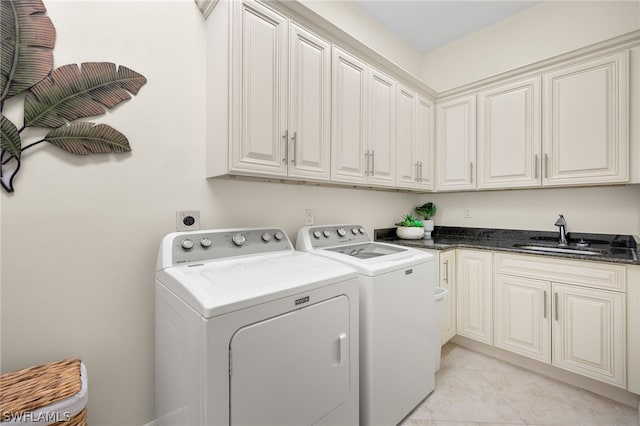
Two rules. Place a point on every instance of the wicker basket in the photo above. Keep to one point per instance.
(49, 394)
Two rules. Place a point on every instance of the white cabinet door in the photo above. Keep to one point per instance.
(586, 122)
(509, 142)
(260, 143)
(474, 280)
(522, 321)
(415, 140)
(309, 127)
(456, 143)
(448, 281)
(382, 129)
(424, 150)
(408, 168)
(589, 333)
(349, 158)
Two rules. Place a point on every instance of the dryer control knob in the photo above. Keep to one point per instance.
(342, 232)
(238, 239)
(205, 242)
(317, 234)
(278, 236)
(187, 244)
(266, 237)
(326, 233)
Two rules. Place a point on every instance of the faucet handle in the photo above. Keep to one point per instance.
(561, 221)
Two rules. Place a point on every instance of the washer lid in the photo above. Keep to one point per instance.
(376, 258)
(218, 287)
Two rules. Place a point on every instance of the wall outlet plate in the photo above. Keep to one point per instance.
(188, 220)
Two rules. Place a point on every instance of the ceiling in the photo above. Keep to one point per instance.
(428, 24)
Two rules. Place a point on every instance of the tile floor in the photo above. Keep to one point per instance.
(475, 389)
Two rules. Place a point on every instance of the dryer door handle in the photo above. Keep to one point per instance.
(342, 349)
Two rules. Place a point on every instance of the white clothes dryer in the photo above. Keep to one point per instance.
(252, 332)
(397, 365)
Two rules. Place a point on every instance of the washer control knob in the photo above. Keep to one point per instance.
(238, 239)
(187, 244)
(361, 230)
(341, 232)
(326, 233)
(278, 236)
(266, 237)
(354, 231)
(317, 234)
(205, 242)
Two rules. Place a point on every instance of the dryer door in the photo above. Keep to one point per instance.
(292, 369)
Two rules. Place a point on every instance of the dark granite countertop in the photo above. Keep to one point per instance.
(609, 247)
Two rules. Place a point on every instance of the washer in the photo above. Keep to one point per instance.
(397, 369)
(252, 332)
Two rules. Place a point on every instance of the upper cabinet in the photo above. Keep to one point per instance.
(456, 143)
(382, 129)
(509, 143)
(586, 122)
(415, 140)
(349, 153)
(277, 115)
(309, 115)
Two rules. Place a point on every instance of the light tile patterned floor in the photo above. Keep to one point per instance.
(474, 389)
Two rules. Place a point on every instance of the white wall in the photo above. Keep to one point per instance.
(539, 32)
(352, 19)
(609, 210)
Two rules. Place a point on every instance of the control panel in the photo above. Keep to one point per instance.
(218, 244)
(334, 235)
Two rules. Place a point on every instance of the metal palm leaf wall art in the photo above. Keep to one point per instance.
(53, 98)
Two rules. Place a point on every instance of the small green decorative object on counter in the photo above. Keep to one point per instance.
(427, 210)
(410, 228)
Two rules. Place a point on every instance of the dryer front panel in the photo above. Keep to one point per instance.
(291, 369)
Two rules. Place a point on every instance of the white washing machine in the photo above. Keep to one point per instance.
(397, 331)
(252, 332)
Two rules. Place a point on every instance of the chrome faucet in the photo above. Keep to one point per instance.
(562, 225)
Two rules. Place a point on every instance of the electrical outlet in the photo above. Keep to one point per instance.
(467, 213)
(188, 220)
(308, 216)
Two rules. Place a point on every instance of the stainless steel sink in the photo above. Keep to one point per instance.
(567, 250)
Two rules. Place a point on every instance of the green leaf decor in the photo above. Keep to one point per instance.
(55, 97)
(87, 138)
(71, 93)
(27, 39)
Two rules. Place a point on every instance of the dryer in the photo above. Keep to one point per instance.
(397, 331)
(251, 332)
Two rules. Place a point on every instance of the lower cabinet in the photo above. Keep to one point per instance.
(474, 279)
(577, 326)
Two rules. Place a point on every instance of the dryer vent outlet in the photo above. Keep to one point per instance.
(188, 220)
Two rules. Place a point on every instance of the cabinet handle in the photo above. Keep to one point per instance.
(535, 166)
(546, 165)
(556, 305)
(295, 147)
(417, 171)
(446, 271)
(420, 172)
(286, 147)
(545, 303)
(471, 172)
(373, 164)
(366, 156)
